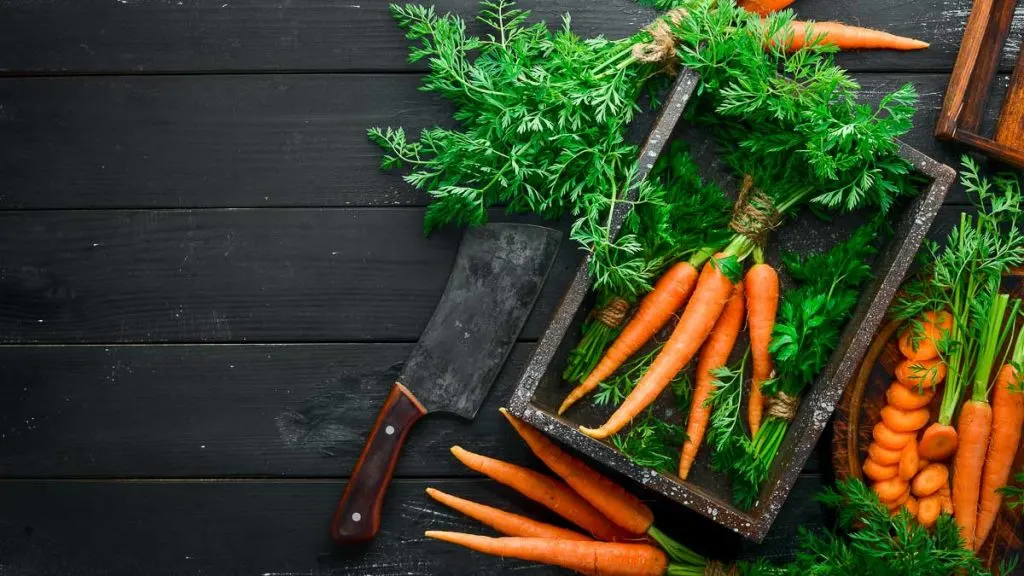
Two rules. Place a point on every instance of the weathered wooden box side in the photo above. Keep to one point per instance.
(541, 379)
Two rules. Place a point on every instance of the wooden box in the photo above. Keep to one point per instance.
(541, 388)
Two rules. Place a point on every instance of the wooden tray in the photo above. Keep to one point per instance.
(858, 412)
(541, 388)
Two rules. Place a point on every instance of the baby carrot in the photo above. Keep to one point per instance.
(505, 522)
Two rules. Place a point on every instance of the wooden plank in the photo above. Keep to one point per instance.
(263, 275)
(1010, 126)
(310, 35)
(243, 140)
(232, 410)
(280, 528)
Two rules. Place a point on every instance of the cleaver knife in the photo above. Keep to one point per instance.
(498, 273)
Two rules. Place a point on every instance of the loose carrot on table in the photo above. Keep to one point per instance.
(899, 396)
(505, 522)
(713, 290)
(921, 337)
(920, 374)
(655, 310)
(762, 307)
(1007, 422)
(713, 356)
(611, 558)
(618, 505)
(764, 7)
(846, 37)
(930, 480)
(547, 491)
(910, 461)
(890, 439)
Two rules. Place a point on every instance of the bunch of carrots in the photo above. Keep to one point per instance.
(620, 538)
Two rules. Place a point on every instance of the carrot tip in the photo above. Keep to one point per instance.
(596, 433)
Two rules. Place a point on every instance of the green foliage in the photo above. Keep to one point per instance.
(652, 442)
(1014, 493)
(726, 435)
(869, 541)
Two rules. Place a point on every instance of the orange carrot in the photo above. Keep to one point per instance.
(930, 480)
(505, 522)
(899, 421)
(920, 374)
(1007, 422)
(762, 307)
(946, 499)
(938, 442)
(547, 491)
(909, 461)
(974, 428)
(912, 505)
(883, 455)
(920, 339)
(899, 396)
(847, 37)
(655, 310)
(892, 490)
(878, 472)
(618, 505)
(764, 7)
(713, 290)
(890, 439)
(896, 504)
(713, 355)
(928, 510)
(590, 557)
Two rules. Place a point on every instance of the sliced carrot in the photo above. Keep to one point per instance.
(505, 522)
(921, 374)
(899, 421)
(883, 455)
(909, 461)
(920, 339)
(938, 442)
(889, 439)
(928, 510)
(946, 499)
(906, 398)
(891, 490)
(930, 480)
(911, 505)
(612, 500)
(878, 472)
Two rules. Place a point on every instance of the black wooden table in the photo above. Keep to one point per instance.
(206, 285)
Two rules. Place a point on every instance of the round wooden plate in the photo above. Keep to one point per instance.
(858, 413)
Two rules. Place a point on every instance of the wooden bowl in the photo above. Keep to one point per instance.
(858, 412)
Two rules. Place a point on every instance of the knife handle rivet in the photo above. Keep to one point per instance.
(356, 516)
(389, 430)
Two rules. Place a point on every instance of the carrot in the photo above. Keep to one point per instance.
(878, 472)
(909, 461)
(974, 428)
(846, 37)
(912, 505)
(899, 396)
(764, 7)
(892, 490)
(762, 307)
(928, 510)
(946, 499)
(920, 374)
(889, 439)
(1007, 422)
(895, 505)
(655, 310)
(505, 522)
(899, 421)
(547, 491)
(920, 340)
(713, 355)
(618, 505)
(930, 480)
(883, 455)
(713, 290)
(938, 442)
(610, 558)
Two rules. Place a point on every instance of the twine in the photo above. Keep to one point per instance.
(662, 46)
(783, 406)
(754, 215)
(613, 313)
(716, 568)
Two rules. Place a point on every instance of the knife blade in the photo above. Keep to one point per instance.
(498, 273)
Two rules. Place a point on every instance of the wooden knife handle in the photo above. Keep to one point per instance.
(357, 518)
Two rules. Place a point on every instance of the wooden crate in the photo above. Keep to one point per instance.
(541, 387)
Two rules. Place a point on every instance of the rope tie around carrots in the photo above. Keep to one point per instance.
(716, 568)
(754, 215)
(783, 406)
(662, 46)
(612, 314)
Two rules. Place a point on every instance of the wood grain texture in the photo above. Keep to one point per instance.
(256, 140)
(270, 275)
(54, 528)
(1010, 126)
(311, 35)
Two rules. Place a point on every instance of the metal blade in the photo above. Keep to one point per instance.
(498, 273)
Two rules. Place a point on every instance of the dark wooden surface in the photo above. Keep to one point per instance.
(206, 285)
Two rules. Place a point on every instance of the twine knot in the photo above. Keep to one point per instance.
(754, 215)
(716, 568)
(661, 47)
(783, 406)
(613, 313)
